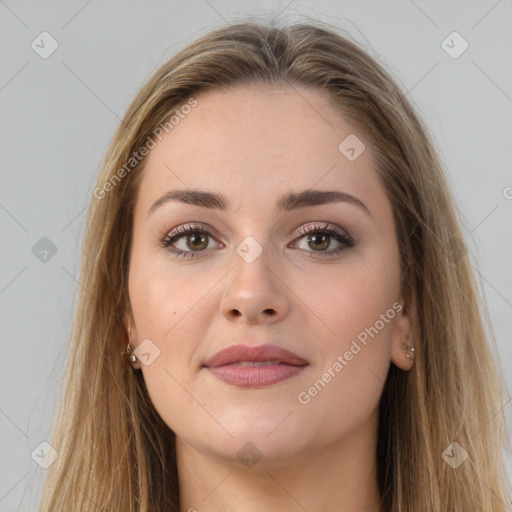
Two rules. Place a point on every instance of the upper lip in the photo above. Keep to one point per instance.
(259, 353)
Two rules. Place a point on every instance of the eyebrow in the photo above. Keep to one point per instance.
(288, 202)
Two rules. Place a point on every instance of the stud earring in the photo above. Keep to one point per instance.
(410, 351)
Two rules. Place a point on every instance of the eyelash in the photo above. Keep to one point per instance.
(340, 236)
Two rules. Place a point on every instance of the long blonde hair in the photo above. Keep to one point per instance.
(116, 453)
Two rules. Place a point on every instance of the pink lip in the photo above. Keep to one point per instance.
(223, 365)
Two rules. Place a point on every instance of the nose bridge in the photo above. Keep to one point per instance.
(254, 291)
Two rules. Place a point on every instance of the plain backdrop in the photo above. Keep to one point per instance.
(58, 115)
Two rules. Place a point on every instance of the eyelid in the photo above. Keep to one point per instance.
(191, 226)
(324, 226)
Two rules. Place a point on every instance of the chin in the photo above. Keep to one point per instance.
(257, 452)
(274, 435)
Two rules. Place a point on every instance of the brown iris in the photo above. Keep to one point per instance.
(202, 238)
(324, 240)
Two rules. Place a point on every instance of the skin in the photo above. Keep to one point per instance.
(253, 145)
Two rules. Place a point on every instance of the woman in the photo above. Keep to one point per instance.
(277, 310)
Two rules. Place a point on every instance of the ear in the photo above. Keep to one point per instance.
(403, 333)
(131, 336)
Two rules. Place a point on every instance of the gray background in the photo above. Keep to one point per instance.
(59, 114)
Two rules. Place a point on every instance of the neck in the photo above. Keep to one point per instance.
(337, 478)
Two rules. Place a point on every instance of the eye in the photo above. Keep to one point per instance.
(319, 238)
(195, 240)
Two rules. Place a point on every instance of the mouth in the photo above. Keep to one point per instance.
(245, 364)
(254, 366)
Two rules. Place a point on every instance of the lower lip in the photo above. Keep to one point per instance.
(255, 376)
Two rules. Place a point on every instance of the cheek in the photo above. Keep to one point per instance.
(358, 310)
(353, 298)
(169, 309)
(346, 386)
(164, 302)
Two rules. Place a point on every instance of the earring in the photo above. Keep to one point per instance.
(410, 351)
(131, 357)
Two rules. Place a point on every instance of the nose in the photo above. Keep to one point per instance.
(255, 292)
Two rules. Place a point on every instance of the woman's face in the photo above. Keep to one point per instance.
(315, 275)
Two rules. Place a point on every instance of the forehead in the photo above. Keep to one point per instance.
(254, 143)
